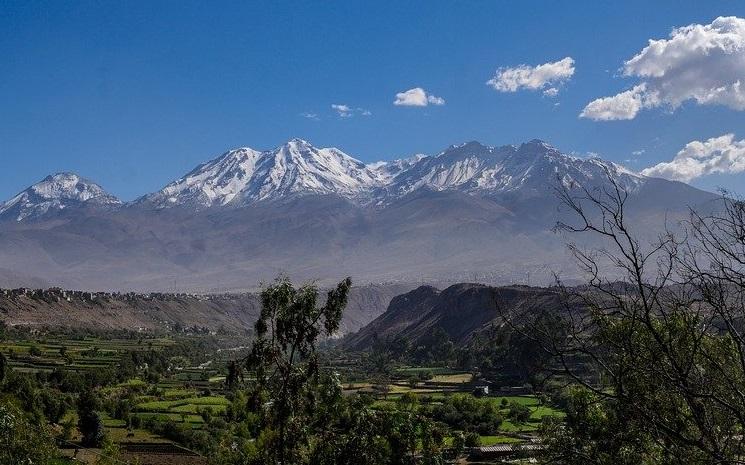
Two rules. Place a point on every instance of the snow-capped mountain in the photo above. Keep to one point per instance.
(387, 170)
(245, 175)
(54, 193)
(216, 182)
(297, 168)
(530, 168)
(469, 210)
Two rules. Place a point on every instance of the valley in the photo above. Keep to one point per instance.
(164, 397)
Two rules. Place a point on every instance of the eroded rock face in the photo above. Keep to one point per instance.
(462, 311)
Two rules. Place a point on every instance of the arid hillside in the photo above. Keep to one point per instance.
(162, 311)
(461, 310)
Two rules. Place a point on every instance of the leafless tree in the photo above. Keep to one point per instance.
(656, 334)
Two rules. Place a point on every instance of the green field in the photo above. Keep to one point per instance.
(446, 382)
(191, 396)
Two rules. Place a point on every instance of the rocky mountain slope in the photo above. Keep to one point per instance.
(529, 168)
(461, 310)
(163, 311)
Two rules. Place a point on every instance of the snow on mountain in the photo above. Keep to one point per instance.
(216, 182)
(530, 168)
(54, 193)
(242, 176)
(387, 170)
(299, 168)
(245, 175)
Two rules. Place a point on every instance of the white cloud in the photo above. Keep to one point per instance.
(703, 63)
(717, 155)
(546, 76)
(309, 115)
(417, 97)
(343, 111)
(625, 105)
(551, 92)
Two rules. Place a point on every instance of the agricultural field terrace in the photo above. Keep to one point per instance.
(163, 397)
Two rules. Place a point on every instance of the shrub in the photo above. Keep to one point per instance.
(472, 439)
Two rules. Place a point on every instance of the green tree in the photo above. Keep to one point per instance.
(89, 421)
(472, 439)
(22, 442)
(4, 367)
(517, 412)
(110, 453)
(285, 364)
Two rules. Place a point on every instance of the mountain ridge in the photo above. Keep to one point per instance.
(427, 219)
(243, 176)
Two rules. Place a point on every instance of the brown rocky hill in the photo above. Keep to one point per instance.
(162, 311)
(461, 310)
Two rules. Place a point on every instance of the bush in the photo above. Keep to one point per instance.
(518, 412)
(22, 442)
(467, 413)
(425, 375)
(472, 439)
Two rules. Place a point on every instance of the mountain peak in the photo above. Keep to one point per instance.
(56, 192)
(466, 146)
(62, 176)
(216, 182)
(529, 169)
(245, 175)
(296, 141)
(299, 168)
(537, 144)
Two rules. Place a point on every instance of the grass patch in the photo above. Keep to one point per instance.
(508, 427)
(493, 440)
(458, 378)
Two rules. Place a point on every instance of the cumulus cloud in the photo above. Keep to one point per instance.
(544, 77)
(417, 97)
(721, 154)
(704, 63)
(621, 106)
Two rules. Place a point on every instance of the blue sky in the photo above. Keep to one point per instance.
(135, 94)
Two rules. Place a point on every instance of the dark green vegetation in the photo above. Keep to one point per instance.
(94, 389)
(235, 402)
